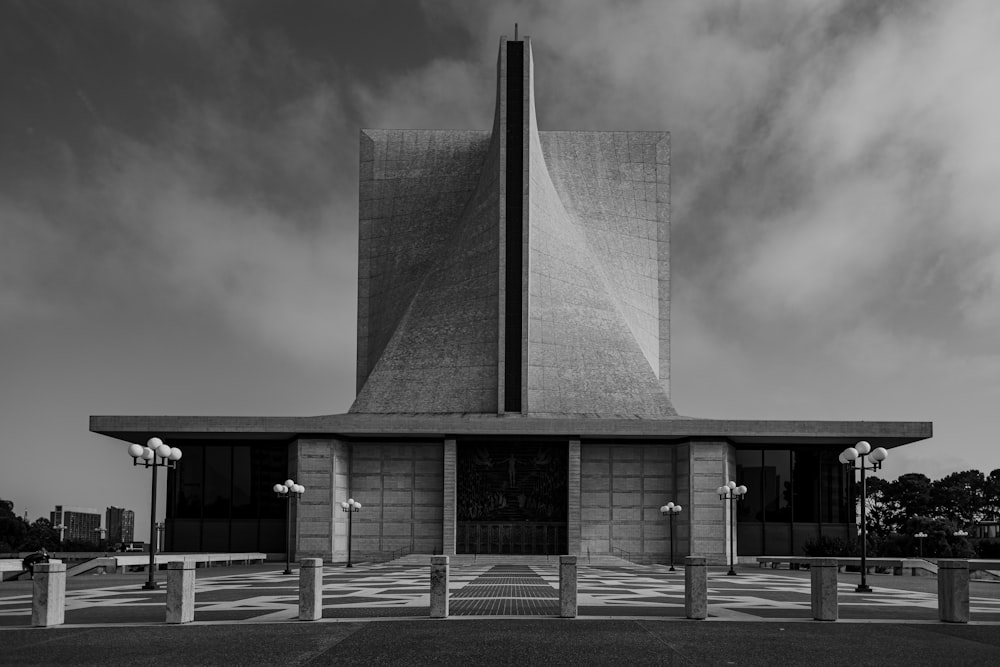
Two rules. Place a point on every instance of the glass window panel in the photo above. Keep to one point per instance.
(777, 539)
(243, 505)
(749, 473)
(270, 466)
(186, 533)
(832, 490)
(215, 535)
(750, 538)
(218, 481)
(842, 531)
(801, 534)
(272, 536)
(190, 489)
(805, 471)
(243, 535)
(777, 485)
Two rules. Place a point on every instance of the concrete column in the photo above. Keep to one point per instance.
(180, 591)
(696, 587)
(573, 516)
(293, 504)
(314, 509)
(953, 590)
(710, 468)
(567, 586)
(449, 499)
(340, 453)
(823, 573)
(48, 602)
(439, 587)
(311, 589)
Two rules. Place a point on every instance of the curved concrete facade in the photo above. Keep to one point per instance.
(585, 319)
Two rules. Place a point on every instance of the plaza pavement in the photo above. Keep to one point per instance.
(501, 614)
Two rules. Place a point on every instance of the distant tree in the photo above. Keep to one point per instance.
(991, 496)
(880, 509)
(960, 497)
(890, 504)
(40, 535)
(912, 493)
(13, 528)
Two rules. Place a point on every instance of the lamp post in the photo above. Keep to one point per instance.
(350, 506)
(670, 511)
(154, 455)
(101, 532)
(920, 536)
(733, 494)
(853, 459)
(288, 491)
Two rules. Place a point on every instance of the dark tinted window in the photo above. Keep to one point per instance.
(777, 485)
(805, 472)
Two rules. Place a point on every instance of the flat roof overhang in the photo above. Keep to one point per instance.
(350, 426)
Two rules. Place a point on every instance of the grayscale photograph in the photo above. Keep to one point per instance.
(499, 332)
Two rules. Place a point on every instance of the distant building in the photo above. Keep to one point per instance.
(986, 529)
(120, 523)
(80, 524)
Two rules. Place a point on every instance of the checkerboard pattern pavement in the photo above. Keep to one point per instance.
(393, 590)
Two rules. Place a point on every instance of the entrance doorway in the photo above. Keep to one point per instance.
(511, 497)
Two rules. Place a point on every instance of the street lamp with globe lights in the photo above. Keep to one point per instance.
(670, 511)
(350, 506)
(288, 491)
(733, 493)
(154, 455)
(920, 536)
(853, 459)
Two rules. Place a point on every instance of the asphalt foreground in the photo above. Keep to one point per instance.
(538, 641)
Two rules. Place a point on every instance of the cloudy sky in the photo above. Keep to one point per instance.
(178, 205)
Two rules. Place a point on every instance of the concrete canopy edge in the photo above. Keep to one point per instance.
(879, 433)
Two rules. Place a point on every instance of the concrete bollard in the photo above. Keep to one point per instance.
(310, 589)
(696, 587)
(567, 586)
(823, 573)
(439, 587)
(48, 602)
(180, 591)
(953, 590)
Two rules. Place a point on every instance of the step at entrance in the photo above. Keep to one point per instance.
(506, 590)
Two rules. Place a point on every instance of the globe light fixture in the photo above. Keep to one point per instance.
(854, 460)
(670, 510)
(733, 493)
(156, 454)
(350, 506)
(289, 491)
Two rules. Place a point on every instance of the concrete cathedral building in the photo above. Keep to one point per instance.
(513, 374)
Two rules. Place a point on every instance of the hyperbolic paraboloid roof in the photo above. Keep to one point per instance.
(513, 270)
